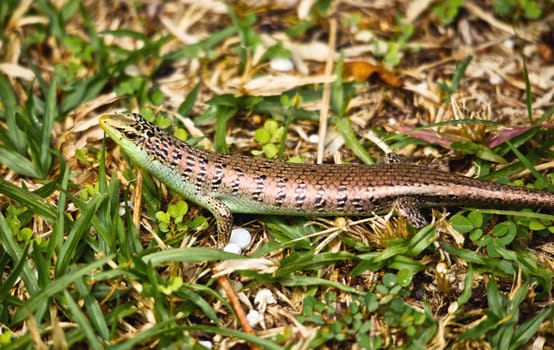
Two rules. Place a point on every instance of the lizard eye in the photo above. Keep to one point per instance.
(130, 135)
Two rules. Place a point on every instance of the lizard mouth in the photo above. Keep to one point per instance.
(117, 121)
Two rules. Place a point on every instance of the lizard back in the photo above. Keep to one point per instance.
(254, 185)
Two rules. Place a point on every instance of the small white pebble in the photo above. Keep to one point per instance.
(364, 36)
(132, 70)
(241, 237)
(122, 207)
(509, 43)
(254, 317)
(281, 64)
(206, 343)
(232, 248)
(495, 79)
(314, 138)
(263, 298)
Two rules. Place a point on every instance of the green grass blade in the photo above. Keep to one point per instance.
(84, 91)
(56, 239)
(406, 263)
(456, 78)
(55, 24)
(102, 179)
(186, 107)
(224, 114)
(167, 329)
(44, 274)
(108, 212)
(529, 328)
(202, 304)
(8, 283)
(459, 73)
(468, 287)
(491, 264)
(84, 324)
(50, 113)
(387, 253)
(310, 261)
(306, 281)
(9, 102)
(126, 235)
(82, 225)
(189, 255)
(18, 163)
(54, 183)
(351, 140)
(161, 312)
(494, 298)
(97, 317)
(55, 287)
(38, 204)
(518, 297)
(196, 50)
(528, 91)
(530, 266)
(523, 159)
(339, 104)
(421, 240)
(546, 115)
(13, 249)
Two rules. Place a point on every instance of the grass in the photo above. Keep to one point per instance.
(97, 254)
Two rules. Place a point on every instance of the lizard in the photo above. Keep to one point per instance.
(227, 184)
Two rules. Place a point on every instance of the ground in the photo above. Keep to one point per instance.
(96, 253)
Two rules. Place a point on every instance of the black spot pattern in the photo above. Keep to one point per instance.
(261, 186)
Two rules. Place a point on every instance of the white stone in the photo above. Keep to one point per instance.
(263, 298)
(232, 248)
(206, 343)
(241, 237)
(254, 317)
(281, 64)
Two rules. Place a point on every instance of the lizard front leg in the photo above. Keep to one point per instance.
(222, 214)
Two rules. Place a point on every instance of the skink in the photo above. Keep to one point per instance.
(226, 184)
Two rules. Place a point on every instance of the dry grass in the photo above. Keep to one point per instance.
(172, 39)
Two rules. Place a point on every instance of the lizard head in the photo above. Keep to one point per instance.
(123, 125)
(131, 132)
